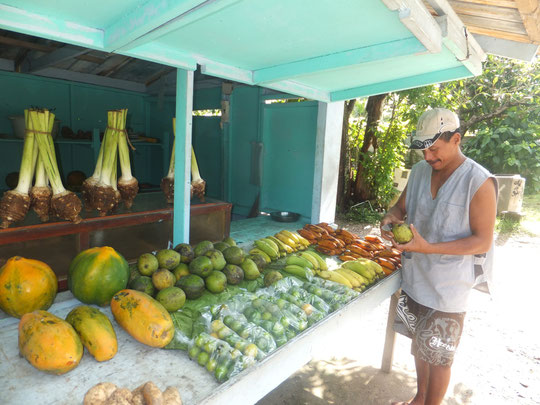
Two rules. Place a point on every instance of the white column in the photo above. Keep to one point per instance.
(327, 150)
(182, 154)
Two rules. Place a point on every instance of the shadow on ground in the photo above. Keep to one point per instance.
(341, 381)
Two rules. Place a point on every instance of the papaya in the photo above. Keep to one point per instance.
(95, 330)
(96, 274)
(144, 318)
(49, 343)
(26, 285)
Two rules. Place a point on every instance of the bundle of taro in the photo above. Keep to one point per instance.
(47, 196)
(198, 185)
(103, 191)
(349, 246)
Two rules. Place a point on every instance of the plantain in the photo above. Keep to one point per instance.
(281, 246)
(263, 245)
(272, 243)
(361, 269)
(335, 277)
(298, 261)
(291, 235)
(306, 256)
(298, 271)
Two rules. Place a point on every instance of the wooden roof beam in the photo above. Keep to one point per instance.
(52, 58)
(530, 13)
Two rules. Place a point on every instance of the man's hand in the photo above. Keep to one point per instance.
(417, 244)
(389, 219)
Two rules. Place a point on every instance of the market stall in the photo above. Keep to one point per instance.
(274, 158)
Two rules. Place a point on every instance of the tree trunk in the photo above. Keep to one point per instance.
(343, 194)
(374, 108)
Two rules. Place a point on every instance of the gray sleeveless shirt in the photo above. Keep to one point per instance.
(443, 282)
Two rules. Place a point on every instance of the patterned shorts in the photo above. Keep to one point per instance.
(435, 334)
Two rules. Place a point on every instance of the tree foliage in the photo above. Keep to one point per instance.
(499, 112)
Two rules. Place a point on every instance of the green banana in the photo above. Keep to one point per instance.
(320, 260)
(263, 245)
(310, 258)
(374, 267)
(299, 261)
(298, 271)
(361, 269)
(282, 246)
(272, 243)
(257, 251)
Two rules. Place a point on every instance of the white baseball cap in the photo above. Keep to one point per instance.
(431, 125)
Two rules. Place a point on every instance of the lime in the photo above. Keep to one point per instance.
(203, 358)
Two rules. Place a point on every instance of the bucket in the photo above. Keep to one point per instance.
(17, 122)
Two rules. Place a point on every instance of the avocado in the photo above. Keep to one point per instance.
(144, 284)
(233, 273)
(218, 261)
(271, 277)
(192, 285)
(234, 255)
(216, 282)
(201, 266)
(259, 261)
(202, 247)
(186, 252)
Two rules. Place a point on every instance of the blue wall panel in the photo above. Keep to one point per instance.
(207, 140)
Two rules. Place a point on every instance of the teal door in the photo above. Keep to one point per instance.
(288, 133)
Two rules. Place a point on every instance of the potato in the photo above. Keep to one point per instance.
(138, 398)
(152, 394)
(122, 396)
(99, 393)
(171, 396)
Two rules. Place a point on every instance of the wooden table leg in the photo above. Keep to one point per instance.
(388, 353)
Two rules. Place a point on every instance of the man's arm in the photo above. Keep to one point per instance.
(394, 215)
(482, 213)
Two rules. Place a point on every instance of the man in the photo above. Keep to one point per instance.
(450, 203)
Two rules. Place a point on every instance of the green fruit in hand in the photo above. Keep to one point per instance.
(402, 233)
(216, 282)
(172, 298)
(147, 263)
(168, 258)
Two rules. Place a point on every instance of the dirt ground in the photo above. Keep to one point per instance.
(497, 362)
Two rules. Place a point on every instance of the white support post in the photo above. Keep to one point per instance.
(182, 161)
(327, 151)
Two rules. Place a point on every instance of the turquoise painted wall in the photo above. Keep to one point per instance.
(289, 133)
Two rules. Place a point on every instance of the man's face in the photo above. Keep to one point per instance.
(442, 152)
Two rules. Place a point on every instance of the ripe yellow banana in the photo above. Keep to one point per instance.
(335, 277)
(303, 240)
(290, 235)
(354, 282)
(362, 280)
(282, 246)
(257, 251)
(286, 240)
(374, 267)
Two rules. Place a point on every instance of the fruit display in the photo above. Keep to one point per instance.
(26, 285)
(96, 274)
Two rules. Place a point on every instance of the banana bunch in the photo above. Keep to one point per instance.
(366, 268)
(306, 258)
(281, 244)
